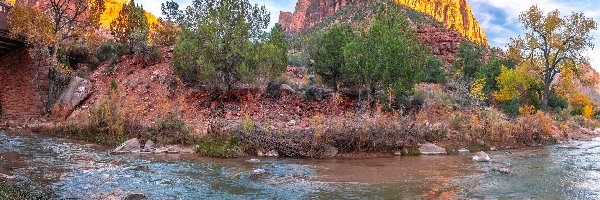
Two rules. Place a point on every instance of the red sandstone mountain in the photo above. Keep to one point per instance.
(454, 14)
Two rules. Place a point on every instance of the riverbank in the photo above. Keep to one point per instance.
(352, 136)
(76, 169)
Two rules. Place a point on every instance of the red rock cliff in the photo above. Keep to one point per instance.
(308, 13)
(454, 14)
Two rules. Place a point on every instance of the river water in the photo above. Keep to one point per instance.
(75, 169)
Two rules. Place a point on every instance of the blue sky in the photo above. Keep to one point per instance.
(499, 18)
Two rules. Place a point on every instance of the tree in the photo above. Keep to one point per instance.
(96, 9)
(553, 43)
(388, 58)
(34, 25)
(329, 55)
(216, 42)
(272, 54)
(67, 15)
(470, 59)
(131, 20)
(170, 10)
(434, 72)
(514, 84)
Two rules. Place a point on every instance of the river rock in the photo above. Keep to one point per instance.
(260, 153)
(129, 146)
(502, 170)
(160, 150)
(432, 149)
(272, 153)
(257, 173)
(330, 152)
(135, 197)
(149, 145)
(463, 151)
(481, 157)
(569, 146)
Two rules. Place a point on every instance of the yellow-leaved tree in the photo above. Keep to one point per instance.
(553, 42)
(514, 83)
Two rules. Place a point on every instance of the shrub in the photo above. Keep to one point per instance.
(18, 191)
(171, 129)
(220, 147)
(511, 108)
(434, 72)
(110, 50)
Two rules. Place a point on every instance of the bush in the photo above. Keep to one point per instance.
(220, 147)
(511, 108)
(14, 191)
(110, 50)
(171, 130)
(434, 72)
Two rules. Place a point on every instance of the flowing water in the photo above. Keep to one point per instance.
(80, 170)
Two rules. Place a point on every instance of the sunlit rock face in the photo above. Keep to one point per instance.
(454, 14)
(113, 7)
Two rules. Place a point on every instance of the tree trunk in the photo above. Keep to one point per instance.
(545, 95)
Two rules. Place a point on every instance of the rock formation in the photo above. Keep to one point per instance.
(113, 7)
(308, 13)
(454, 14)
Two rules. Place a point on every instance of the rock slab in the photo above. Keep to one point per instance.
(432, 149)
(129, 146)
(482, 157)
(78, 90)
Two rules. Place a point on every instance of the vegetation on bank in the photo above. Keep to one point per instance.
(400, 93)
(14, 191)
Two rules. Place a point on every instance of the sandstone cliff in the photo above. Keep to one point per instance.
(113, 7)
(308, 13)
(454, 14)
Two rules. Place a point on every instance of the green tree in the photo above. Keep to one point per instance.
(217, 42)
(434, 72)
(272, 57)
(553, 43)
(388, 58)
(329, 55)
(170, 10)
(131, 25)
(470, 58)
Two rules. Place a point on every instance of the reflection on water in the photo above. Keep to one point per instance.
(80, 170)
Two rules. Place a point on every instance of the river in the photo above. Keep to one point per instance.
(75, 169)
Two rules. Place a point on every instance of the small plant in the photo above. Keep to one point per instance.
(220, 147)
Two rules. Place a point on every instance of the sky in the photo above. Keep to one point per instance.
(499, 18)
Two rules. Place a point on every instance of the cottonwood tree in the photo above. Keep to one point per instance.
(553, 42)
(215, 46)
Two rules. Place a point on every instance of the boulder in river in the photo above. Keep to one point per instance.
(129, 146)
(432, 149)
(149, 145)
(502, 170)
(272, 153)
(482, 157)
(135, 197)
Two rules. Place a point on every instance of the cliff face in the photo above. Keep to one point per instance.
(113, 7)
(308, 13)
(454, 14)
